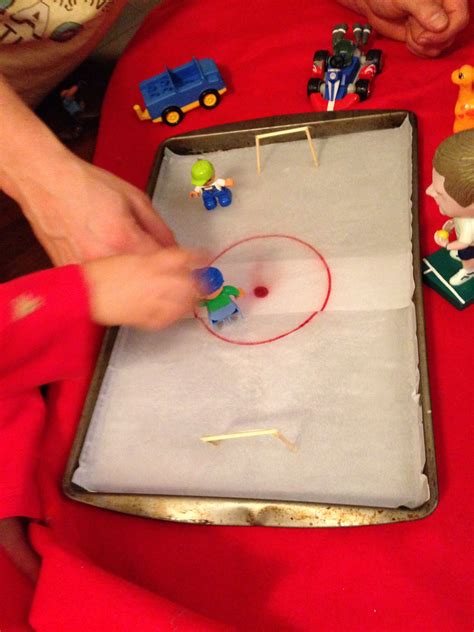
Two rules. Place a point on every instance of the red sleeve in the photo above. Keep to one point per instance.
(41, 317)
(21, 425)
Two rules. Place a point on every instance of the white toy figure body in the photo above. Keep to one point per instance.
(452, 188)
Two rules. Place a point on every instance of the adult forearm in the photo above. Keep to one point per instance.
(31, 155)
(77, 211)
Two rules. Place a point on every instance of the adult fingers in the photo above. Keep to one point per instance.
(429, 13)
(152, 223)
(425, 49)
(458, 14)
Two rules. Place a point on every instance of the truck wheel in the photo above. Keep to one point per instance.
(375, 56)
(209, 99)
(314, 86)
(172, 116)
(362, 88)
(320, 58)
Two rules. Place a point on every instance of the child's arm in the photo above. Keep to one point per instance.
(427, 26)
(77, 211)
(42, 315)
(46, 335)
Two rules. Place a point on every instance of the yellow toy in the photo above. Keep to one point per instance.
(464, 108)
(442, 234)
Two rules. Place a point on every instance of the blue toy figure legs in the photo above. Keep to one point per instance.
(224, 314)
(224, 196)
(211, 197)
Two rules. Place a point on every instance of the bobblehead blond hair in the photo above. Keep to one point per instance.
(454, 160)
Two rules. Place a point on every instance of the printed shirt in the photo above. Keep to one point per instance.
(44, 40)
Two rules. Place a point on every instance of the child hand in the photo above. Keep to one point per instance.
(427, 26)
(146, 291)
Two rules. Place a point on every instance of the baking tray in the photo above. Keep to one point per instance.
(231, 511)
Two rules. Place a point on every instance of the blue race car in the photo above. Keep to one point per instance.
(342, 79)
(169, 95)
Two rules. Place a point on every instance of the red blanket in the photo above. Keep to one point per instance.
(106, 571)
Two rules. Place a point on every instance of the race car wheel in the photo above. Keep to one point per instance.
(320, 58)
(362, 88)
(375, 56)
(209, 99)
(314, 86)
(172, 116)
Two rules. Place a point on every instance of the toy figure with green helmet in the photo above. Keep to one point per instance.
(213, 190)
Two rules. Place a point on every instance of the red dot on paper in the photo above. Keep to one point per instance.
(261, 291)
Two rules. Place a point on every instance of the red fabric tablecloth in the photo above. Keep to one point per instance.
(106, 571)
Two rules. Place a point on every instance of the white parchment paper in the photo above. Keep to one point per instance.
(333, 248)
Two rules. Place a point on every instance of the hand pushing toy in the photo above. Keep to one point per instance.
(212, 190)
(217, 297)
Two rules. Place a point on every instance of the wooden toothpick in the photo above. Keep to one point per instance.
(244, 434)
(305, 129)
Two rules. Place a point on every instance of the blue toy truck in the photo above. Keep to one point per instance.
(169, 95)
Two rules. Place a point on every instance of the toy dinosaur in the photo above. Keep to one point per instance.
(464, 108)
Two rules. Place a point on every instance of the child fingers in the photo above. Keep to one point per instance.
(165, 309)
(175, 259)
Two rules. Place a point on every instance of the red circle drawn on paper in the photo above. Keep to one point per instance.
(307, 320)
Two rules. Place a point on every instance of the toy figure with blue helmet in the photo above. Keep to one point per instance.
(217, 297)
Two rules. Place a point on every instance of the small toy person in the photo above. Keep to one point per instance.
(213, 190)
(74, 105)
(453, 191)
(217, 297)
(344, 49)
(71, 100)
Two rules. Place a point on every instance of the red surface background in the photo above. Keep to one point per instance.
(106, 571)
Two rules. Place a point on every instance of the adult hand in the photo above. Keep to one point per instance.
(427, 27)
(78, 211)
(83, 212)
